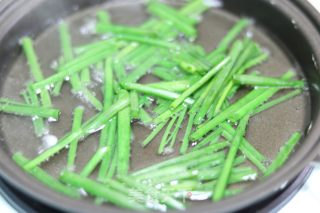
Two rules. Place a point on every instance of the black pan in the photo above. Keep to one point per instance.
(289, 29)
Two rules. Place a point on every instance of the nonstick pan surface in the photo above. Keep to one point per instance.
(281, 27)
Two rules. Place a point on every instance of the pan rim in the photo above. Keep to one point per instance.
(290, 170)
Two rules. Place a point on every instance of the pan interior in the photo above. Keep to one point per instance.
(267, 131)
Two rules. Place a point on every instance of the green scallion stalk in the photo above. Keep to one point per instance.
(165, 138)
(35, 69)
(181, 25)
(164, 74)
(76, 125)
(103, 17)
(119, 69)
(239, 109)
(262, 81)
(174, 134)
(138, 59)
(233, 33)
(174, 86)
(134, 104)
(30, 110)
(198, 84)
(101, 190)
(185, 141)
(145, 117)
(227, 167)
(113, 166)
(119, 30)
(94, 161)
(153, 134)
(148, 41)
(283, 154)
(246, 148)
(184, 158)
(108, 98)
(141, 70)
(171, 202)
(85, 76)
(124, 137)
(154, 92)
(219, 81)
(277, 101)
(89, 127)
(47, 179)
(76, 65)
(110, 143)
(58, 86)
(210, 139)
(174, 14)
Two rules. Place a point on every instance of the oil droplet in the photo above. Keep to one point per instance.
(51, 119)
(47, 141)
(168, 151)
(83, 192)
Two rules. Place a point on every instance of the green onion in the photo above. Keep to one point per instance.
(76, 125)
(210, 139)
(153, 134)
(185, 141)
(46, 179)
(66, 46)
(110, 143)
(134, 104)
(35, 69)
(171, 202)
(87, 47)
(114, 164)
(220, 81)
(225, 174)
(108, 85)
(284, 153)
(103, 17)
(74, 66)
(119, 70)
(262, 81)
(174, 14)
(100, 190)
(89, 127)
(145, 117)
(141, 70)
(233, 33)
(149, 41)
(94, 161)
(174, 134)
(198, 84)
(30, 110)
(183, 158)
(58, 86)
(154, 91)
(174, 86)
(238, 109)
(246, 148)
(165, 138)
(38, 123)
(157, 10)
(102, 28)
(277, 101)
(164, 74)
(124, 137)
(85, 76)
